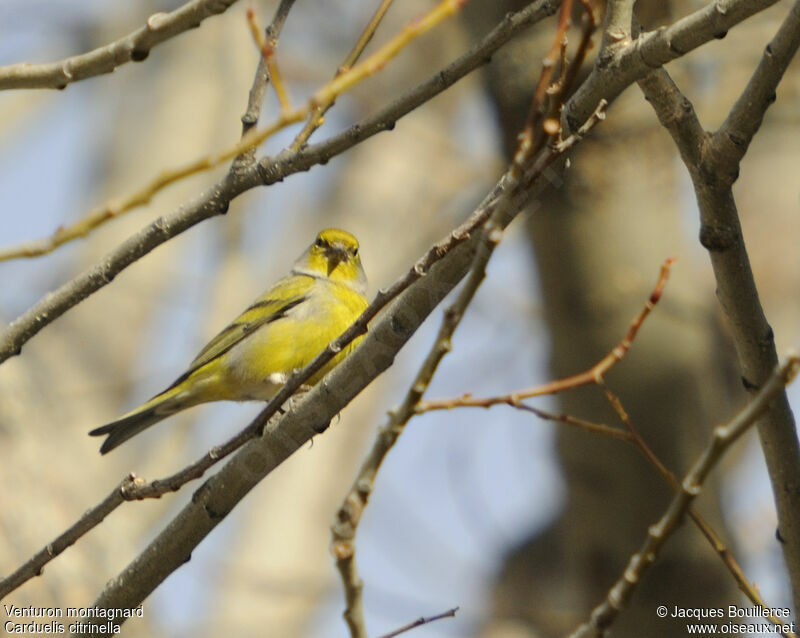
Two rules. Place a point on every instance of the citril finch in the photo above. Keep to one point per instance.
(280, 332)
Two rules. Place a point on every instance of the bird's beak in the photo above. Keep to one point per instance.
(336, 256)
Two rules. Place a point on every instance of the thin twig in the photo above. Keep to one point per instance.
(267, 46)
(582, 424)
(589, 26)
(316, 118)
(450, 613)
(133, 47)
(723, 436)
(255, 99)
(541, 111)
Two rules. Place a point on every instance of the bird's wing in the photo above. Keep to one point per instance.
(274, 304)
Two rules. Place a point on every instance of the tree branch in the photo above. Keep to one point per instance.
(731, 141)
(133, 47)
(450, 613)
(619, 18)
(653, 49)
(713, 164)
(316, 118)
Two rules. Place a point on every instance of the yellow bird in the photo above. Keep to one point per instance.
(280, 332)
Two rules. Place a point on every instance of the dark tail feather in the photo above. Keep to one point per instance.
(122, 429)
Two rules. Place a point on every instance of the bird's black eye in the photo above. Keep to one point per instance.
(320, 242)
(355, 251)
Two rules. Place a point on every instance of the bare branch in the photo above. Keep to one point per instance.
(567, 419)
(730, 142)
(133, 47)
(619, 18)
(722, 438)
(713, 164)
(653, 49)
(450, 613)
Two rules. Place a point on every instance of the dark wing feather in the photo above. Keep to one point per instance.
(272, 305)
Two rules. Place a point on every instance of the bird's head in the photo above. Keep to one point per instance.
(334, 254)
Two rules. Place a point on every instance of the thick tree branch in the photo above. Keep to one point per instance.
(133, 47)
(617, 31)
(730, 142)
(713, 164)
(216, 199)
(612, 75)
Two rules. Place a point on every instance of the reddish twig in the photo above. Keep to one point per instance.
(593, 375)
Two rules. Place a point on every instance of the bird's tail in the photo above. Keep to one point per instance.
(161, 406)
